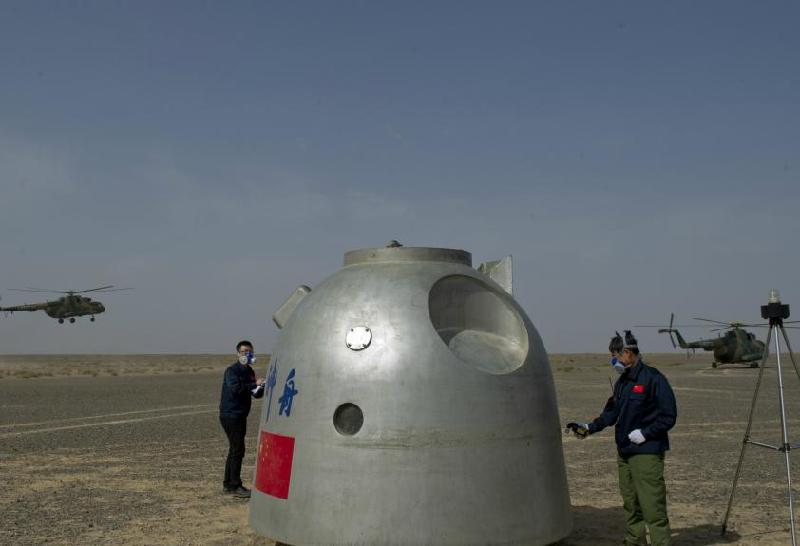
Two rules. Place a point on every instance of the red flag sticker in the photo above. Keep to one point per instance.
(274, 465)
(638, 389)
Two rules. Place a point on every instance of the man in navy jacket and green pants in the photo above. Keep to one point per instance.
(643, 409)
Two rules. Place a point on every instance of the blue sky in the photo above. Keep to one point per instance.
(635, 159)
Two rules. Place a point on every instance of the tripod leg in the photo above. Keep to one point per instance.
(746, 438)
(786, 446)
(791, 354)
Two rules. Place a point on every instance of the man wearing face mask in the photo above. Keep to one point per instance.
(238, 385)
(615, 347)
(643, 409)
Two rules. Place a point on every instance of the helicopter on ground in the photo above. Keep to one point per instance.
(68, 307)
(735, 346)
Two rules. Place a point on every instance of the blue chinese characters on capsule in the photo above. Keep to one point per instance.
(272, 379)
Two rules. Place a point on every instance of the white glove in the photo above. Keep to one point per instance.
(636, 436)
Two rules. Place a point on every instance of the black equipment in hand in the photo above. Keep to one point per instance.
(578, 429)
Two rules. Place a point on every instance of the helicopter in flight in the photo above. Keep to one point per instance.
(735, 346)
(67, 307)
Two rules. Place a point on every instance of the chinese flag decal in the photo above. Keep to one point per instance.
(274, 465)
(638, 389)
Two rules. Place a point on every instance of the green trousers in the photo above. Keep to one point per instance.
(644, 498)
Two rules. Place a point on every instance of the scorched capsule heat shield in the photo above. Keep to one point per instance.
(409, 401)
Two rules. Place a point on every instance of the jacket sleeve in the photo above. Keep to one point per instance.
(607, 418)
(236, 383)
(667, 409)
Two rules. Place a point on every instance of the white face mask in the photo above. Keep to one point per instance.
(619, 367)
(247, 358)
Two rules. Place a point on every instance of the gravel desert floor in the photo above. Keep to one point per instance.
(128, 450)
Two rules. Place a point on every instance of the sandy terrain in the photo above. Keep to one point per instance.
(128, 450)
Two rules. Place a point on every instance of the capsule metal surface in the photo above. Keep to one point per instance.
(409, 401)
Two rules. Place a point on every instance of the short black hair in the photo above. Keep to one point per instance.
(243, 342)
(634, 350)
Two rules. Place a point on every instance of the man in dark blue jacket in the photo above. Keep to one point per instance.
(238, 385)
(643, 409)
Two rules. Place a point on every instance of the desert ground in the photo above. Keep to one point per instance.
(128, 450)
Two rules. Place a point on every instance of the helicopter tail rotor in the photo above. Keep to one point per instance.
(671, 336)
(671, 322)
(672, 330)
(669, 330)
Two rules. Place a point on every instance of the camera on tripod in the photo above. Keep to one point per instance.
(775, 310)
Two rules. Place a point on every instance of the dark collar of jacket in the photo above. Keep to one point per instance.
(632, 373)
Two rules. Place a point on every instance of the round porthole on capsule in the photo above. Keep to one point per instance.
(348, 419)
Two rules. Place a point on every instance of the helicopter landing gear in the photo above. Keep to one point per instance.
(72, 320)
(714, 364)
(754, 364)
(91, 319)
(61, 321)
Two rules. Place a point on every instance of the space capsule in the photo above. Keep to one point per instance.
(409, 400)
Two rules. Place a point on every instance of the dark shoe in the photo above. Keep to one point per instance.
(241, 492)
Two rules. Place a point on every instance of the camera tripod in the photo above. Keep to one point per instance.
(775, 312)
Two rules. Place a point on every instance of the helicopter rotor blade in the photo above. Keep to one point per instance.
(39, 290)
(104, 290)
(114, 290)
(94, 289)
(712, 320)
(107, 288)
(671, 326)
(759, 324)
